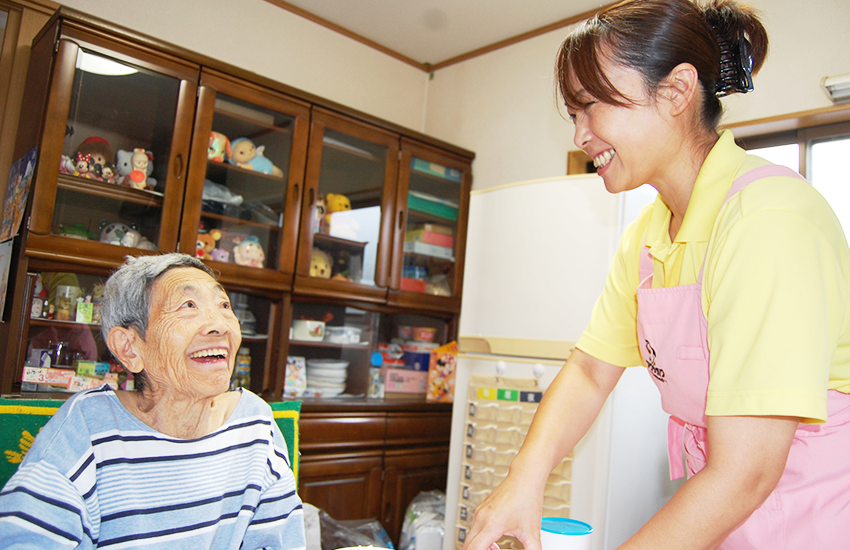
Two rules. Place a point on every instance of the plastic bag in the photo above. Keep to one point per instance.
(343, 534)
(423, 526)
(219, 193)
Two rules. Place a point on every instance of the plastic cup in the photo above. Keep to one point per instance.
(565, 534)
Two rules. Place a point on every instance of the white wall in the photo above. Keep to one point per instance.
(501, 105)
(260, 37)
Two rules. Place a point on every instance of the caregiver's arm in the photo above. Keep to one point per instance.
(747, 458)
(569, 407)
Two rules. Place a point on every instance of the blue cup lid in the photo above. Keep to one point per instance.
(566, 526)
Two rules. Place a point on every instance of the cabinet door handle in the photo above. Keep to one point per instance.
(295, 192)
(178, 166)
(400, 219)
(312, 197)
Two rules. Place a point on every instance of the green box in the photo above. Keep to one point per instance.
(432, 207)
(434, 169)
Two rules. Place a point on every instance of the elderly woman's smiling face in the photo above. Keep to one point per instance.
(192, 336)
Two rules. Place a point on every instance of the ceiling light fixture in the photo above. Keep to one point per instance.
(837, 87)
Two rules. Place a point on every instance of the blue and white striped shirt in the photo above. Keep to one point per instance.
(98, 477)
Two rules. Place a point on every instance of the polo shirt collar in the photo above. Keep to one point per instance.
(713, 182)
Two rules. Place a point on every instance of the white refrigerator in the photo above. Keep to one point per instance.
(538, 254)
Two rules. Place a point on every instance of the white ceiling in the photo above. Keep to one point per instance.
(432, 31)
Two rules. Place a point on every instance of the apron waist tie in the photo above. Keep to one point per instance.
(675, 442)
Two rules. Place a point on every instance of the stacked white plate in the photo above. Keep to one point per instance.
(327, 376)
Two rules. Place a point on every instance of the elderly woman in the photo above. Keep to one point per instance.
(181, 462)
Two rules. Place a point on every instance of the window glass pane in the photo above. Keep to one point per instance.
(785, 155)
(829, 175)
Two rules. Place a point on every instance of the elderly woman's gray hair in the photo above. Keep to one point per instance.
(126, 295)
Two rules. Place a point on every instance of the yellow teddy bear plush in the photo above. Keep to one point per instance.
(336, 203)
(320, 264)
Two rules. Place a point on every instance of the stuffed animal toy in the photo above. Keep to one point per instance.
(320, 264)
(113, 233)
(249, 252)
(220, 255)
(99, 149)
(204, 246)
(66, 165)
(343, 228)
(250, 157)
(219, 147)
(336, 203)
(137, 160)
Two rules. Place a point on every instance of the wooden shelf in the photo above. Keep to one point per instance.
(235, 168)
(238, 221)
(338, 242)
(329, 345)
(419, 216)
(37, 322)
(110, 190)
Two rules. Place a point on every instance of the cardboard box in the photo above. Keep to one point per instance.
(405, 381)
(50, 376)
(435, 206)
(296, 377)
(435, 228)
(441, 374)
(425, 249)
(429, 237)
(412, 285)
(434, 169)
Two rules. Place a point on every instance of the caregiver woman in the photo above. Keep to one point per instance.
(733, 289)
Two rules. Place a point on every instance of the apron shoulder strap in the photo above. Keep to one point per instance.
(766, 171)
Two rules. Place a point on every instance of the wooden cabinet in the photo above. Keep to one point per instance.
(371, 463)
(322, 179)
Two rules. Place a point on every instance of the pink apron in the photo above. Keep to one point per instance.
(810, 507)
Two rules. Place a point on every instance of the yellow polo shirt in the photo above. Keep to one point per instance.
(776, 289)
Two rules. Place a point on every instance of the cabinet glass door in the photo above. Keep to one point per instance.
(434, 187)
(113, 173)
(330, 347)
(350, 177)
(244, 197)
(64, 347)
(256, 362)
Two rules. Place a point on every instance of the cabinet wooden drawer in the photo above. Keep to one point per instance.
(334, 432)
(344, 486)
(420, 428)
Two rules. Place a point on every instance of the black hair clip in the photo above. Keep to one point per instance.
(736, 66)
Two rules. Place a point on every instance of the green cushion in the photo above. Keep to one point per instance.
(21, 420)
(287, 414)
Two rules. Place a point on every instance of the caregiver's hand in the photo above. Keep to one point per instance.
(514, 508)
